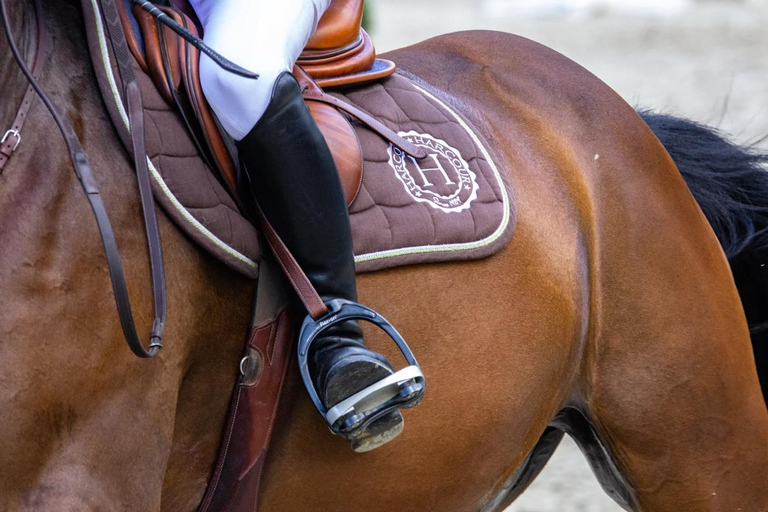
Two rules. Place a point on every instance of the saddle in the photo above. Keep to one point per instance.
(340, 53)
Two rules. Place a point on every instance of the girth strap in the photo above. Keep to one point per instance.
(84, 174)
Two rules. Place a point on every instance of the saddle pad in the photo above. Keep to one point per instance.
(453, 205)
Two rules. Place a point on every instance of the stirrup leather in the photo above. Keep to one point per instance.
(402, 389)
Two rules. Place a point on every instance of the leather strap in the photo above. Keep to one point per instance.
(299, 280)
(136, 122)
(12, 137)
(311, 91)
(235, 482)
(84, 174)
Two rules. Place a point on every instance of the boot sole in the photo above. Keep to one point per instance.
(358, 375)
(379, 433)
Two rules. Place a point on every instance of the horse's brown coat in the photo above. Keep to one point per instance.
(613, 298)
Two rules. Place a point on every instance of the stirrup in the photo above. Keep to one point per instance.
(402, 389)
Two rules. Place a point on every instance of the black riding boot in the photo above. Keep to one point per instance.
(295, 181)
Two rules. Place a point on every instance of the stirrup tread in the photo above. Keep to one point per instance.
(348, 406)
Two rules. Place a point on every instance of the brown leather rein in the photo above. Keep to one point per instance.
(299, 281)
(12, 138)
(84, 174)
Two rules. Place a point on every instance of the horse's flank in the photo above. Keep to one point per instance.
(614, 302)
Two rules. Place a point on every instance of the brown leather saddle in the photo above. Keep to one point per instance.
(340, 53)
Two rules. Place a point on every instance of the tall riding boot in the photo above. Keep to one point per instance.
(294, 179)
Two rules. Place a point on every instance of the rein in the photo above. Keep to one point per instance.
(9, 145)
(84, 174)
(132, 94)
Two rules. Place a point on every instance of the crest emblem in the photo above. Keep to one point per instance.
(443, 179)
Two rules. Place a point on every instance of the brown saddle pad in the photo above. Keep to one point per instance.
(455, 204)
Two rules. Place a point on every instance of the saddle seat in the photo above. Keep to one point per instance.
(340, 53)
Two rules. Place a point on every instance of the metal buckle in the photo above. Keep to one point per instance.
(12, 132)
(371, 398)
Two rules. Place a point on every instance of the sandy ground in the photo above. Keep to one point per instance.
(704, 60)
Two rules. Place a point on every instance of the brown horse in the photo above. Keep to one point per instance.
(612, 316)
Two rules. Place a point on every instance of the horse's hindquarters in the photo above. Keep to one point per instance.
(613, 298)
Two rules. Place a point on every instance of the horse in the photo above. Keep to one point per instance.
(612, 315)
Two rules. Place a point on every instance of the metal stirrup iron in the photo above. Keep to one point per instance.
(402, 389)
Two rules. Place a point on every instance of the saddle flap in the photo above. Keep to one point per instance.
(339, 134)
(344, 144)
(189, 61)
(154, 46)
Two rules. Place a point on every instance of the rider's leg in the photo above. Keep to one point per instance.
(263, 36)
(294, 176)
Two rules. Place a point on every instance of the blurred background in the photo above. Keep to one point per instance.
(702, 59)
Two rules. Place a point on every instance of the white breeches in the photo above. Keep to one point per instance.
(263, 36)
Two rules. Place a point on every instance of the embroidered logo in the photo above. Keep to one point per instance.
(442, 179)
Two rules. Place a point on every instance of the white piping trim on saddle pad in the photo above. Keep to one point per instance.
(155, 174)
(456, 247)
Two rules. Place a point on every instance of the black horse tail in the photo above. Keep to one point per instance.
(730, 183)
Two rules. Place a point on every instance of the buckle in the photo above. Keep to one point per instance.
(365, 406)
(14, 133)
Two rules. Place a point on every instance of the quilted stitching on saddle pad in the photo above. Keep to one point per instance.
(193, 184)
(453, 205)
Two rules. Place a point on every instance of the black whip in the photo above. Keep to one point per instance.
(195, 41)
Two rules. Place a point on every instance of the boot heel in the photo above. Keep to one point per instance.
(378, 433)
